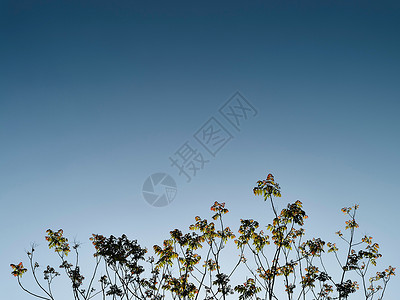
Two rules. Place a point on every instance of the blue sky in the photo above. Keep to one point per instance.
(95, 96)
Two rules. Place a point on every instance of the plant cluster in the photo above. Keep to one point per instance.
(276, 262)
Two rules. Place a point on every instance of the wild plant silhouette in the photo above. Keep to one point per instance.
(279, 261)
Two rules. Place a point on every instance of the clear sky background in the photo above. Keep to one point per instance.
(95, 96)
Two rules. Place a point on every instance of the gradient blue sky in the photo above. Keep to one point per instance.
(96, 95)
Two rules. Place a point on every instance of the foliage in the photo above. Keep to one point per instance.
(188, 265)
